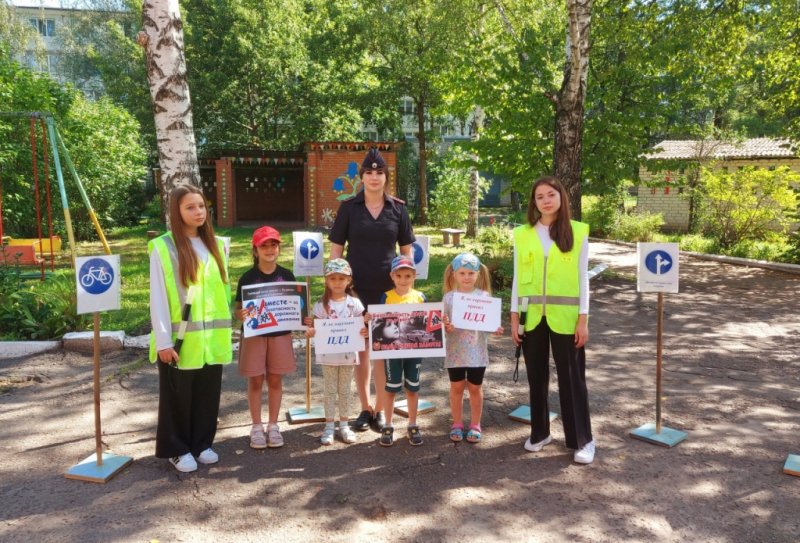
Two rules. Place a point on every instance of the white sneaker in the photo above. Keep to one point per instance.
(208, 457)
(346, 433)
(536, 447)
(257, 438)
(274, 437)
(586, 454)
(327, 434)
(184, 463)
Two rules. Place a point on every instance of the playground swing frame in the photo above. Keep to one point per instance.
(51, 135)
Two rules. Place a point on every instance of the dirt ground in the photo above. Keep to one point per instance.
(731, 380)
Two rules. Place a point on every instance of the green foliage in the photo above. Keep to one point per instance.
(637, 226)
(746, 205)
(495, 245)
(28, 310)
(601, 213)
(450, 195)
(103, 142)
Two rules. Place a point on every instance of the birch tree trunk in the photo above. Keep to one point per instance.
(422, 218)
(162, 39)
(474, 176)
(569, 103)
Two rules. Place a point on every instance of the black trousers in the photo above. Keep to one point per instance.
(188, 406)
(571, 370)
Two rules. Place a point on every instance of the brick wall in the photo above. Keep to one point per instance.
(332, 176)
(673, 205)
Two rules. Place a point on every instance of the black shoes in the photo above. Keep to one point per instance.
(378, 421)
(363, 421)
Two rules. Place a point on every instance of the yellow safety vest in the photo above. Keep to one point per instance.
(552, 282)
(208, 334)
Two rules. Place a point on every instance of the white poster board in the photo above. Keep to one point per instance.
(308, 254)
(274, 307)
(335, 336)
(657, 267)
(406, 330)
(471, 312)
(420, 254)
(98, 283)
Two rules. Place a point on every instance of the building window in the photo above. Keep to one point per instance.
(54, 64)
(46, 27)
(772, 168)
(407, 107)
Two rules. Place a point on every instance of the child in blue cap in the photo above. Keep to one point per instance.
(467, 350)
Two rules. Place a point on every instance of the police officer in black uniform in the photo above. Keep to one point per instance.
(372, 224)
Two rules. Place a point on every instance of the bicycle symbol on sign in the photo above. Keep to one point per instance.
(96, 274)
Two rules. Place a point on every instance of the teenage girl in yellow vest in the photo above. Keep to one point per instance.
(551, 255)
(189, 259)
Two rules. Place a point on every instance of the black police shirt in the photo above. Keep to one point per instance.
(371, 243)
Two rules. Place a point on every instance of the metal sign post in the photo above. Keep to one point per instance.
(98, 285)
(658, 272)
(308, 262)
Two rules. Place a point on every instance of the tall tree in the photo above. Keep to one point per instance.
(412, 44)
(162, 38)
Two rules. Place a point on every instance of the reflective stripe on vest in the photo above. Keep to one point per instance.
(208, 332)
(549, 284)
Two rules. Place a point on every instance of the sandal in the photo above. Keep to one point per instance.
(457, 433)
(474, 434)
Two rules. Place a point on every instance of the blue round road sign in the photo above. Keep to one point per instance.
(96, 276)
(418, 252)
(658, 262)
(309, 249)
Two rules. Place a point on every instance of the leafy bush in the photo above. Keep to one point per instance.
(450, 179)
(746, 205)
(26, 313)
(103, 141)
(495, 247)
(637, 226)
(601, 212)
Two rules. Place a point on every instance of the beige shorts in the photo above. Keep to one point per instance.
(260, 355)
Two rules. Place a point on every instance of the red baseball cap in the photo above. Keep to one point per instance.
(265, 233)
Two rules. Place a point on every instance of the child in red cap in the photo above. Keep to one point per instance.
(269, 355)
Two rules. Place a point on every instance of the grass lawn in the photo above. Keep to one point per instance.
(131, 245)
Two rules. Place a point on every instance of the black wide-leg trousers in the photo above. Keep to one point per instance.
(571, 369)
(188, 406)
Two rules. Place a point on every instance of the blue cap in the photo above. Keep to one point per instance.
(466, 260)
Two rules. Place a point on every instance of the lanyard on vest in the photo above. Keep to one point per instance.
(523, 315)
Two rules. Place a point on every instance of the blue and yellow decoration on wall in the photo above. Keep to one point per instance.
(347, 181)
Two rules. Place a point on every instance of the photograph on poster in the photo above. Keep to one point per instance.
(406, 331)
(274, 307)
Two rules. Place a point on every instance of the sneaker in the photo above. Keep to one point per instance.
(378, 421)
(536, 447)
(274, 437)
(184, 463)
(347, 435)
(257, 438)
(327, 434)
(363, 420)
(208, 457)
(387, 436)
(586, 454)
(414, 435)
